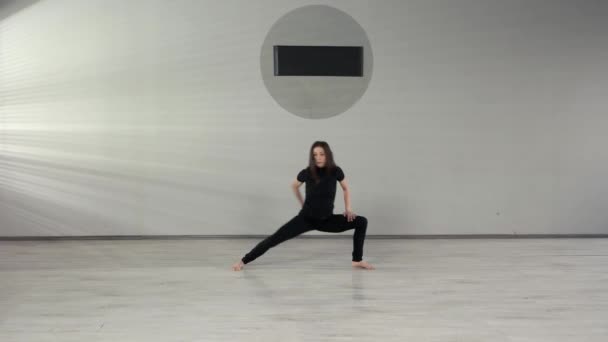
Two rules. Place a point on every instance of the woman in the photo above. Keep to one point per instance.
(317, 210)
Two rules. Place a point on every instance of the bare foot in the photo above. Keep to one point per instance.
(238, 266)
(363, 264)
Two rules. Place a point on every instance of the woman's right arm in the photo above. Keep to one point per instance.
(296, 189)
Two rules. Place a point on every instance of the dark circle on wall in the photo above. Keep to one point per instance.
(315, 97)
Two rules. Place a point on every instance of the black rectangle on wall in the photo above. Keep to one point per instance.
(290, 60)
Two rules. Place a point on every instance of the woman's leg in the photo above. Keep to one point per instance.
(339, 223)
(291, 229)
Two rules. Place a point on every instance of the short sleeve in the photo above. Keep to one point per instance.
(339, 174)
(303, 176)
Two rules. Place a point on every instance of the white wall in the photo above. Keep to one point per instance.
(151, 117)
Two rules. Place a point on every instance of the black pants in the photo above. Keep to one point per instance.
(301, 224)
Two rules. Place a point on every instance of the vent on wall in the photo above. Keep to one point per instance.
(290, 60)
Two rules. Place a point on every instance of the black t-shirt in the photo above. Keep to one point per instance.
(319, 200)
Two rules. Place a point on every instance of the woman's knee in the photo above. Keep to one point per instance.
(361, 221)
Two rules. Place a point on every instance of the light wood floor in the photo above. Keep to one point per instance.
(305, 290)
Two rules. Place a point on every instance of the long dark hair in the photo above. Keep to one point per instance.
(330, 164)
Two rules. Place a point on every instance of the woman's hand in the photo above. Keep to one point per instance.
(350, 216)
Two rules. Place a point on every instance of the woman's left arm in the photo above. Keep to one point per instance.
(348, 209)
